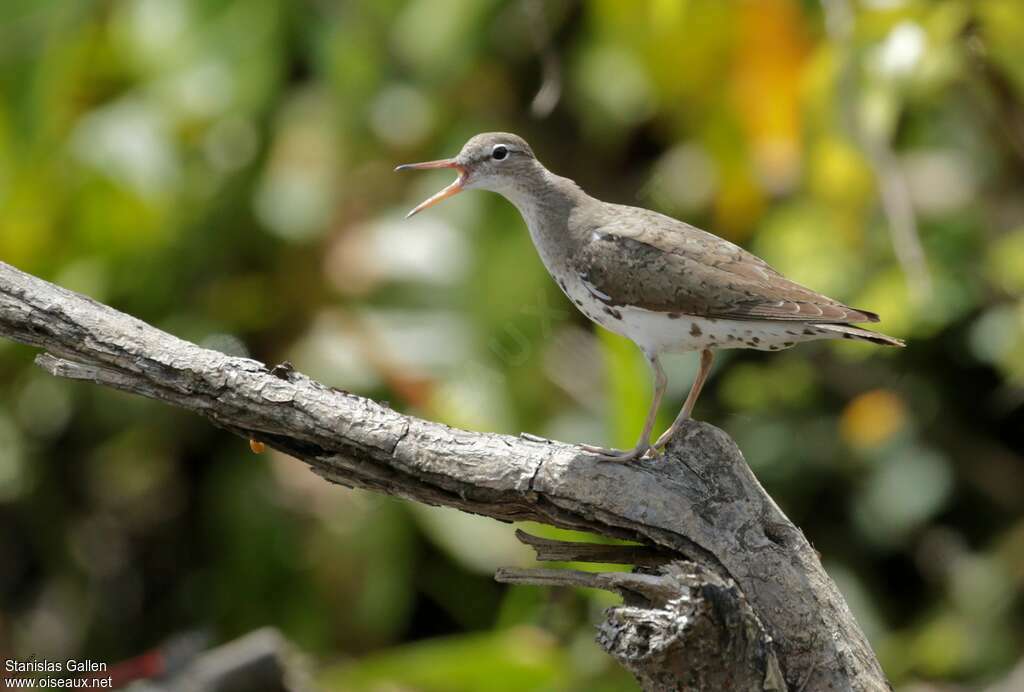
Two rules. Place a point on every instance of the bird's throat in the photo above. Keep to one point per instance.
(547, 203)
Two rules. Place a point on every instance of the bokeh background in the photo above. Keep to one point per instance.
(223, 169)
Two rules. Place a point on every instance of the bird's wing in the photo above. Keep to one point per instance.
(644, 259)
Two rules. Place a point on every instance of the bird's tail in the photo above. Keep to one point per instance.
(845, 331)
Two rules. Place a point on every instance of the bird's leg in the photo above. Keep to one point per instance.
(643, 445)
(706, 358)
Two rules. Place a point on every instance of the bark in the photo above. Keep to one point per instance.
(681, 626)
(739, 582)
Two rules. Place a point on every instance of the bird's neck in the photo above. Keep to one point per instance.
(542, 190)
(547, 202)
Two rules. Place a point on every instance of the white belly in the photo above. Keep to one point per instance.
(659, 332)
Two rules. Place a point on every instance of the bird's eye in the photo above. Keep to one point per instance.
(499, 152)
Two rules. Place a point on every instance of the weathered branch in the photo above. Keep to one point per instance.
(681, 626)
(700, 502)
(565, 551)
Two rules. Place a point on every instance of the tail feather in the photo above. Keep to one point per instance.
(847, 332)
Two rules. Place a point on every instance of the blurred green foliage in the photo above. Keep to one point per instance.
(222, 168)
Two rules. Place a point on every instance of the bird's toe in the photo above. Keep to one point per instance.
(653, 452)
(612, 454)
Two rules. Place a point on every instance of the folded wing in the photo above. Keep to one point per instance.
(649, 260)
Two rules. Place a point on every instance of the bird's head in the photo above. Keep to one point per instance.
(495, 161)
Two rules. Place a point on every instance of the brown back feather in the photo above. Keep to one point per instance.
(632, 256)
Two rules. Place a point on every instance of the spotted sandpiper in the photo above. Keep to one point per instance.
(664, 284)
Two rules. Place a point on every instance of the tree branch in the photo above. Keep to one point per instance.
(699, 503)
(681, 627)
(549, 550)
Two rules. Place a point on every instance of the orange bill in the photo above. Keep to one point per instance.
(447, 192)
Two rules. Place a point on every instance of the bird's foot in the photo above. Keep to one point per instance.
(620, 455)
(654, 452)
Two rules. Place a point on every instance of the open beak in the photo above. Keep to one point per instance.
(452, 189)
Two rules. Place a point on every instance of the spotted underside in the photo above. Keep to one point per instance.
(676, 332)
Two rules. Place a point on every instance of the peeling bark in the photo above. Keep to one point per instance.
(742, 579)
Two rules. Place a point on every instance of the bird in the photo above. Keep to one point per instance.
(665, 285)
